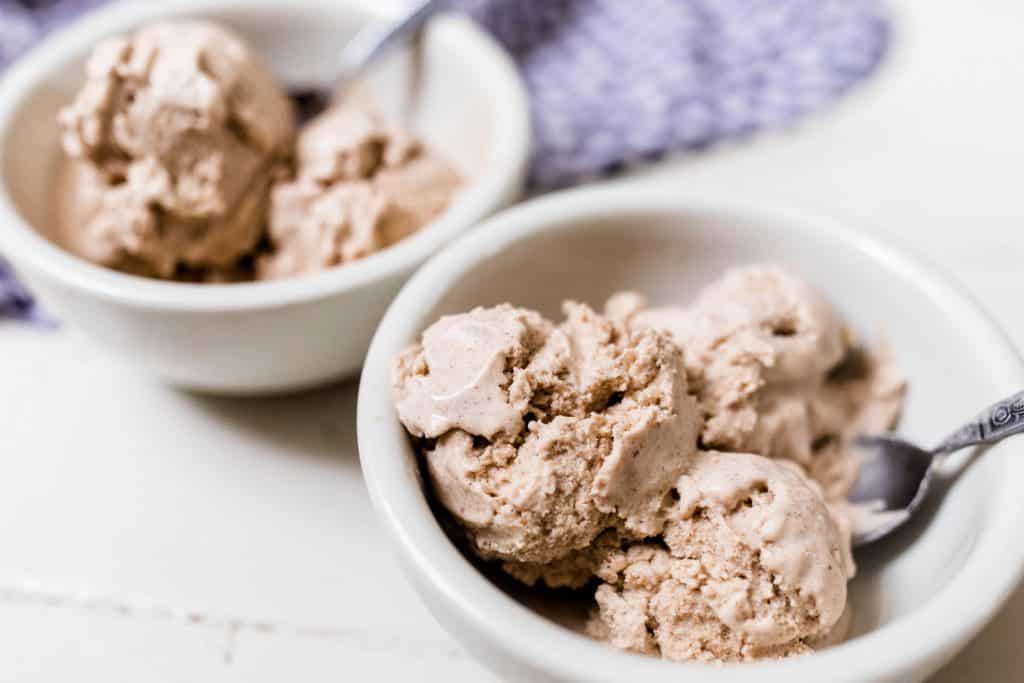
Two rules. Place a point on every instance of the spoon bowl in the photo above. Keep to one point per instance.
(894, 478)
(895, 474)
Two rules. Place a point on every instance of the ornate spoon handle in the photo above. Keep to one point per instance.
(999, 421)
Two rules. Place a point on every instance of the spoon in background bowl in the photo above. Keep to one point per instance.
(369, 44)
(895, 474)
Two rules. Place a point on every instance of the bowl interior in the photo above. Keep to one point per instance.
(432, 87)
(669, 249)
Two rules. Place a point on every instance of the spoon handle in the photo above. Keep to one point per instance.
(999, 421)
(376, 39)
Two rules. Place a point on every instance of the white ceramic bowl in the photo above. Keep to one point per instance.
(918, 597)
(462, 94)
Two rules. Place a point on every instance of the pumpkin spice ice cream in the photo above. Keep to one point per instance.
(174, 141)
(777, 372)
(360, 186)
(752, 566)
(688, 465)
(183, 163)
(538, 437)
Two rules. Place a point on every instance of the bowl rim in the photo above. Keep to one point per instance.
(501, 181)
(928, 636)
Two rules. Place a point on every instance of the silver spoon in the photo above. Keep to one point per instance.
(895, 475)
(369, 44)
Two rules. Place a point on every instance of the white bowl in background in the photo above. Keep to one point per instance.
(919, 596)
(460, 92)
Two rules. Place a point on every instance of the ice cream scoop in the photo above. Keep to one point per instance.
(183, 164)
(752, 566)
(539, 437)
(173, 143)
(776, 371)
(360, 185)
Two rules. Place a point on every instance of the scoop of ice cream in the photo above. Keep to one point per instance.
(756, 341)
(360, 186)
(763, 349)
(547, 435)
(753, 566)
(460, 375)
(568, 453)
(174, 140)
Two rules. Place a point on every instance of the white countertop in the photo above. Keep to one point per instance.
(152, 535)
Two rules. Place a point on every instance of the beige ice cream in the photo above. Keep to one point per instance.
(184, 164)
(752, 566)
(360, 186)
(539, 437)
(776, 371)
(174, 141)
(570, 454)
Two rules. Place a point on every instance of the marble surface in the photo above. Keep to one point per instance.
(150, 534)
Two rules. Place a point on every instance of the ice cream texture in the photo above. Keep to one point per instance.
(777, 372)
(175, 139)
(687, 464)
(752, 566)
(184, 164)
(542, 435)
(360, 186)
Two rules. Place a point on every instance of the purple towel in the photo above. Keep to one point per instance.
(613, 83)
(17, 303)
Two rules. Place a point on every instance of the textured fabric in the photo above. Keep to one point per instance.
(15, 301)
(616, 82)
(23, 22)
